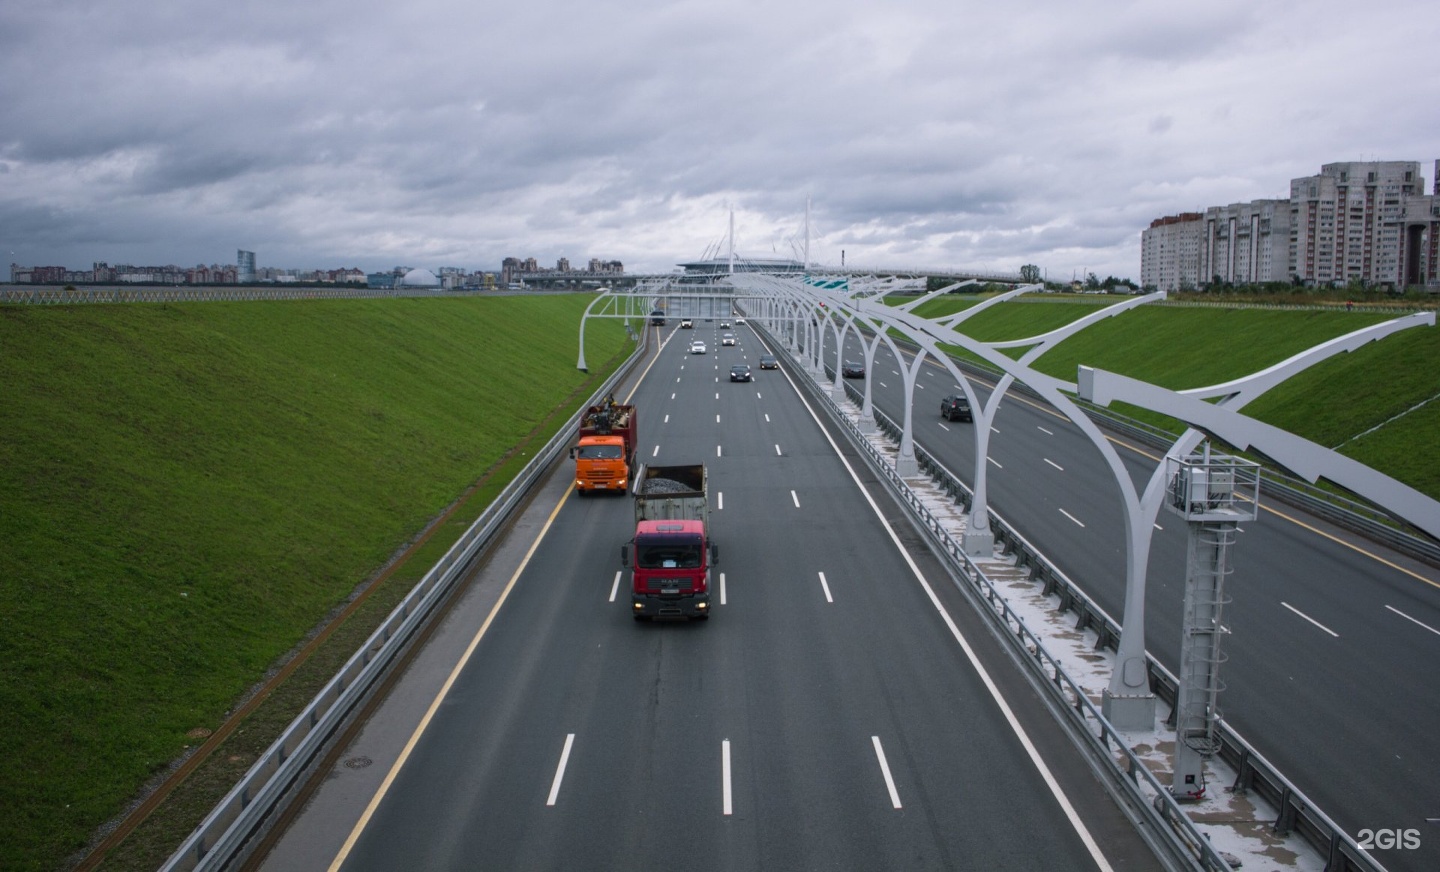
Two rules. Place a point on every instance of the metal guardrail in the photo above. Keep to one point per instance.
(1254, 773)
(231, 830)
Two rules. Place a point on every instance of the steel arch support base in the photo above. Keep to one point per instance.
(1132, 712)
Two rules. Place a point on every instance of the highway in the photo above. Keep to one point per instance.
(842, 709)
(1332, 641)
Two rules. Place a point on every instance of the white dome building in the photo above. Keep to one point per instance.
(420, 278)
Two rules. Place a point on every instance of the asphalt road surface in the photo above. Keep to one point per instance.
(842, 709)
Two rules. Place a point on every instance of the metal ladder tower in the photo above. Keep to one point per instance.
(1214, 493)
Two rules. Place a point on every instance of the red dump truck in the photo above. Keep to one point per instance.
(671, 554)
(606, 449)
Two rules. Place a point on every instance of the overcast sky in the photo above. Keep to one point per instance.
(329, 133)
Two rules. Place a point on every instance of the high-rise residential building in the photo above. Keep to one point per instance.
(1170, 252)
(244, 266)
(1246, 243)
(1360, 221)
(1347, 224)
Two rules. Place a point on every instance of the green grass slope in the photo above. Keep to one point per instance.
(1329, 404)
(1021, 320)
(185, 490)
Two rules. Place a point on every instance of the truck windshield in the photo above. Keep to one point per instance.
(669, 552)
(599, 452)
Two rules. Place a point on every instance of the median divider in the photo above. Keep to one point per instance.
(232, 829)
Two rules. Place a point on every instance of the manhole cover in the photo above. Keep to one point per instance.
(358, 762)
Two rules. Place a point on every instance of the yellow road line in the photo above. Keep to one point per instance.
(460, 665)
(440, 697)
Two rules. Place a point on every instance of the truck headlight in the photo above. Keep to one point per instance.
(639, 607)
(702, 605)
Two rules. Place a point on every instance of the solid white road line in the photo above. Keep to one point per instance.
(722, 588)
(1031, 751)
(725, 774)
(1408, 618)
(795, 499)
(1310, 619)
(885, 770)
(560, 770)
(1054, 464)
(1072, 517)
(828, 598)
(615, 588)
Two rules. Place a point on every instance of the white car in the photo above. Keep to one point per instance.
(727, 339)
(697, 347)
(739, 320)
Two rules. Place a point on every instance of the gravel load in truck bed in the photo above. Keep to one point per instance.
(656, 486)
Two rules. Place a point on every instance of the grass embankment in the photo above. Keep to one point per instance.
(186, 490)
(1331, 403)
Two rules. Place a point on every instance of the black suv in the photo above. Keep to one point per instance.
(956, 408)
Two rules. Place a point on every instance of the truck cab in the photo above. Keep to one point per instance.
(670, 563)
(600, 464)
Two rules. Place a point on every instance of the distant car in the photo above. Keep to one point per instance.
(724, 325)
(768, 361)
(956, 408)
(739, 320)
(851, 369)
(727, 339)
(740, 372)
(657, 318)
(697, 347)
(686, 324)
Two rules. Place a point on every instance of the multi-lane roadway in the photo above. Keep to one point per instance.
(1333, 642)
(842, 709)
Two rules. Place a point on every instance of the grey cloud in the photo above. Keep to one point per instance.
(378, 133)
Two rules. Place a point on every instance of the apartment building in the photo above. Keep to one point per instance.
(1357, 221)
(1246, 243)
(1170, 252)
